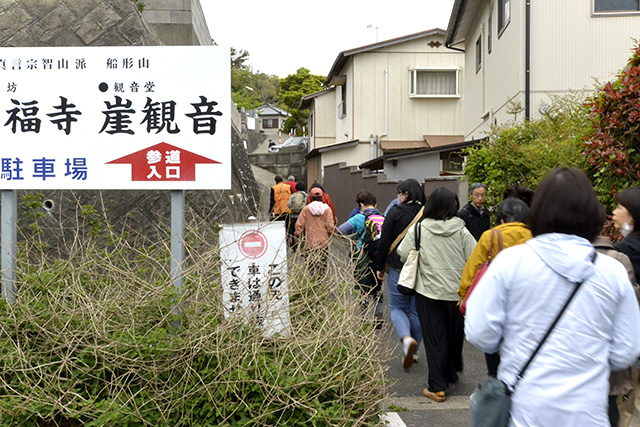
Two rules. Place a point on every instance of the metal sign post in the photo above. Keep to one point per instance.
(9, 243)
(177, 237)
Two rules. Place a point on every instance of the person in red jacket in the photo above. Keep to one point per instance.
(325, 199)
(292, 183)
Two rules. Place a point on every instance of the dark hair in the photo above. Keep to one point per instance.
(366, 198)
(278, 178)
(512, 209)
(566, 203)
(630, 199)
(316, 198)
(519, 191)
(442, 204)
(414, 190)
(300, 186)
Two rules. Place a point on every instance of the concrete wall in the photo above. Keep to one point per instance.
(287, 161)
(178, 22)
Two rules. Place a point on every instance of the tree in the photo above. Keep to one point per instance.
(292, 89)
(523, 153)
(251, 90)
(239, 59)
(613, 148)
(248, 89)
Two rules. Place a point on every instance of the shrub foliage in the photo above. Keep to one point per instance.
(522, 153)
(101, 337)
(613, 149)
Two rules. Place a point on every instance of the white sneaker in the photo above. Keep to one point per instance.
(410, 347)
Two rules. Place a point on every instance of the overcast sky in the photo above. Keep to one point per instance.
(284, 35)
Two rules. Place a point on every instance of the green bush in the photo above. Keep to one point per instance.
(523, 153)
(101, 337)
(613, 148)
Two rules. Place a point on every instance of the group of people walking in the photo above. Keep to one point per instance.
(543, 248)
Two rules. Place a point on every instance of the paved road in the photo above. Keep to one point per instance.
(405, 393)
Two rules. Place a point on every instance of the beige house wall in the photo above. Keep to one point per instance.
(571, 49)
(351, 155)
(409, 119)
(324, 118)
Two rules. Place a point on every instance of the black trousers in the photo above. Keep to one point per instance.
(443, 336)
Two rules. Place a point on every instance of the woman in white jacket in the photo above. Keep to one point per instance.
(445, 245)
(510, 310)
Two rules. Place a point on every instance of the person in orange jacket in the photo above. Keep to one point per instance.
(279, 199)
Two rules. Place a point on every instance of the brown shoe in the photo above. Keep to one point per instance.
(436, 397)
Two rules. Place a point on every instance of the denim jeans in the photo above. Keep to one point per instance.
(402, 308)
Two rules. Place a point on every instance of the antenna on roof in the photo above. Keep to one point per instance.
(372, 26)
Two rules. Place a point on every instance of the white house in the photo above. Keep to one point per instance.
(520, 52)
(269, 120)
(392, 96)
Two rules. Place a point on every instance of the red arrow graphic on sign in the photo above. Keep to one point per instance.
(163, 162)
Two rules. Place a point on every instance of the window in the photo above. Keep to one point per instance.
(270, 123)
(451, 163)
(616, 6)
(489, 32)
(479, 54)
(435, 83)
(342, 107)
(504, 15)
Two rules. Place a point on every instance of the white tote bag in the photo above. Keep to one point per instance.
(409, 272)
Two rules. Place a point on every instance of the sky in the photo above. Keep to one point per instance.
(284, 35)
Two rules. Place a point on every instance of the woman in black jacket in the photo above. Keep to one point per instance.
(625, 218)
(402, 308)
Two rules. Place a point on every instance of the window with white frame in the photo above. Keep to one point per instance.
(616, 6)
(435, 83)
(479, 53)
(504, 15)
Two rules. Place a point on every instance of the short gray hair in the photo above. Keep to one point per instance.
(477, 185)
(291, 178)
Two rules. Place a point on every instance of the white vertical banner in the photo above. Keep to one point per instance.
(254, 274)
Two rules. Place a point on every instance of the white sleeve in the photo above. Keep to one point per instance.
(486, 309)
(625, 339)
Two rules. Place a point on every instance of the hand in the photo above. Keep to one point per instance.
(380, 275)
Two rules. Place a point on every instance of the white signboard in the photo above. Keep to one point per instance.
(254, 274)
(115, 118)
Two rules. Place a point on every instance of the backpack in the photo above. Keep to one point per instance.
(372, 230)
(297, 202)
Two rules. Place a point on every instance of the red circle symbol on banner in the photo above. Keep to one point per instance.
(253, 244)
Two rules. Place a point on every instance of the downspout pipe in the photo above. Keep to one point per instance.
(527, 77)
